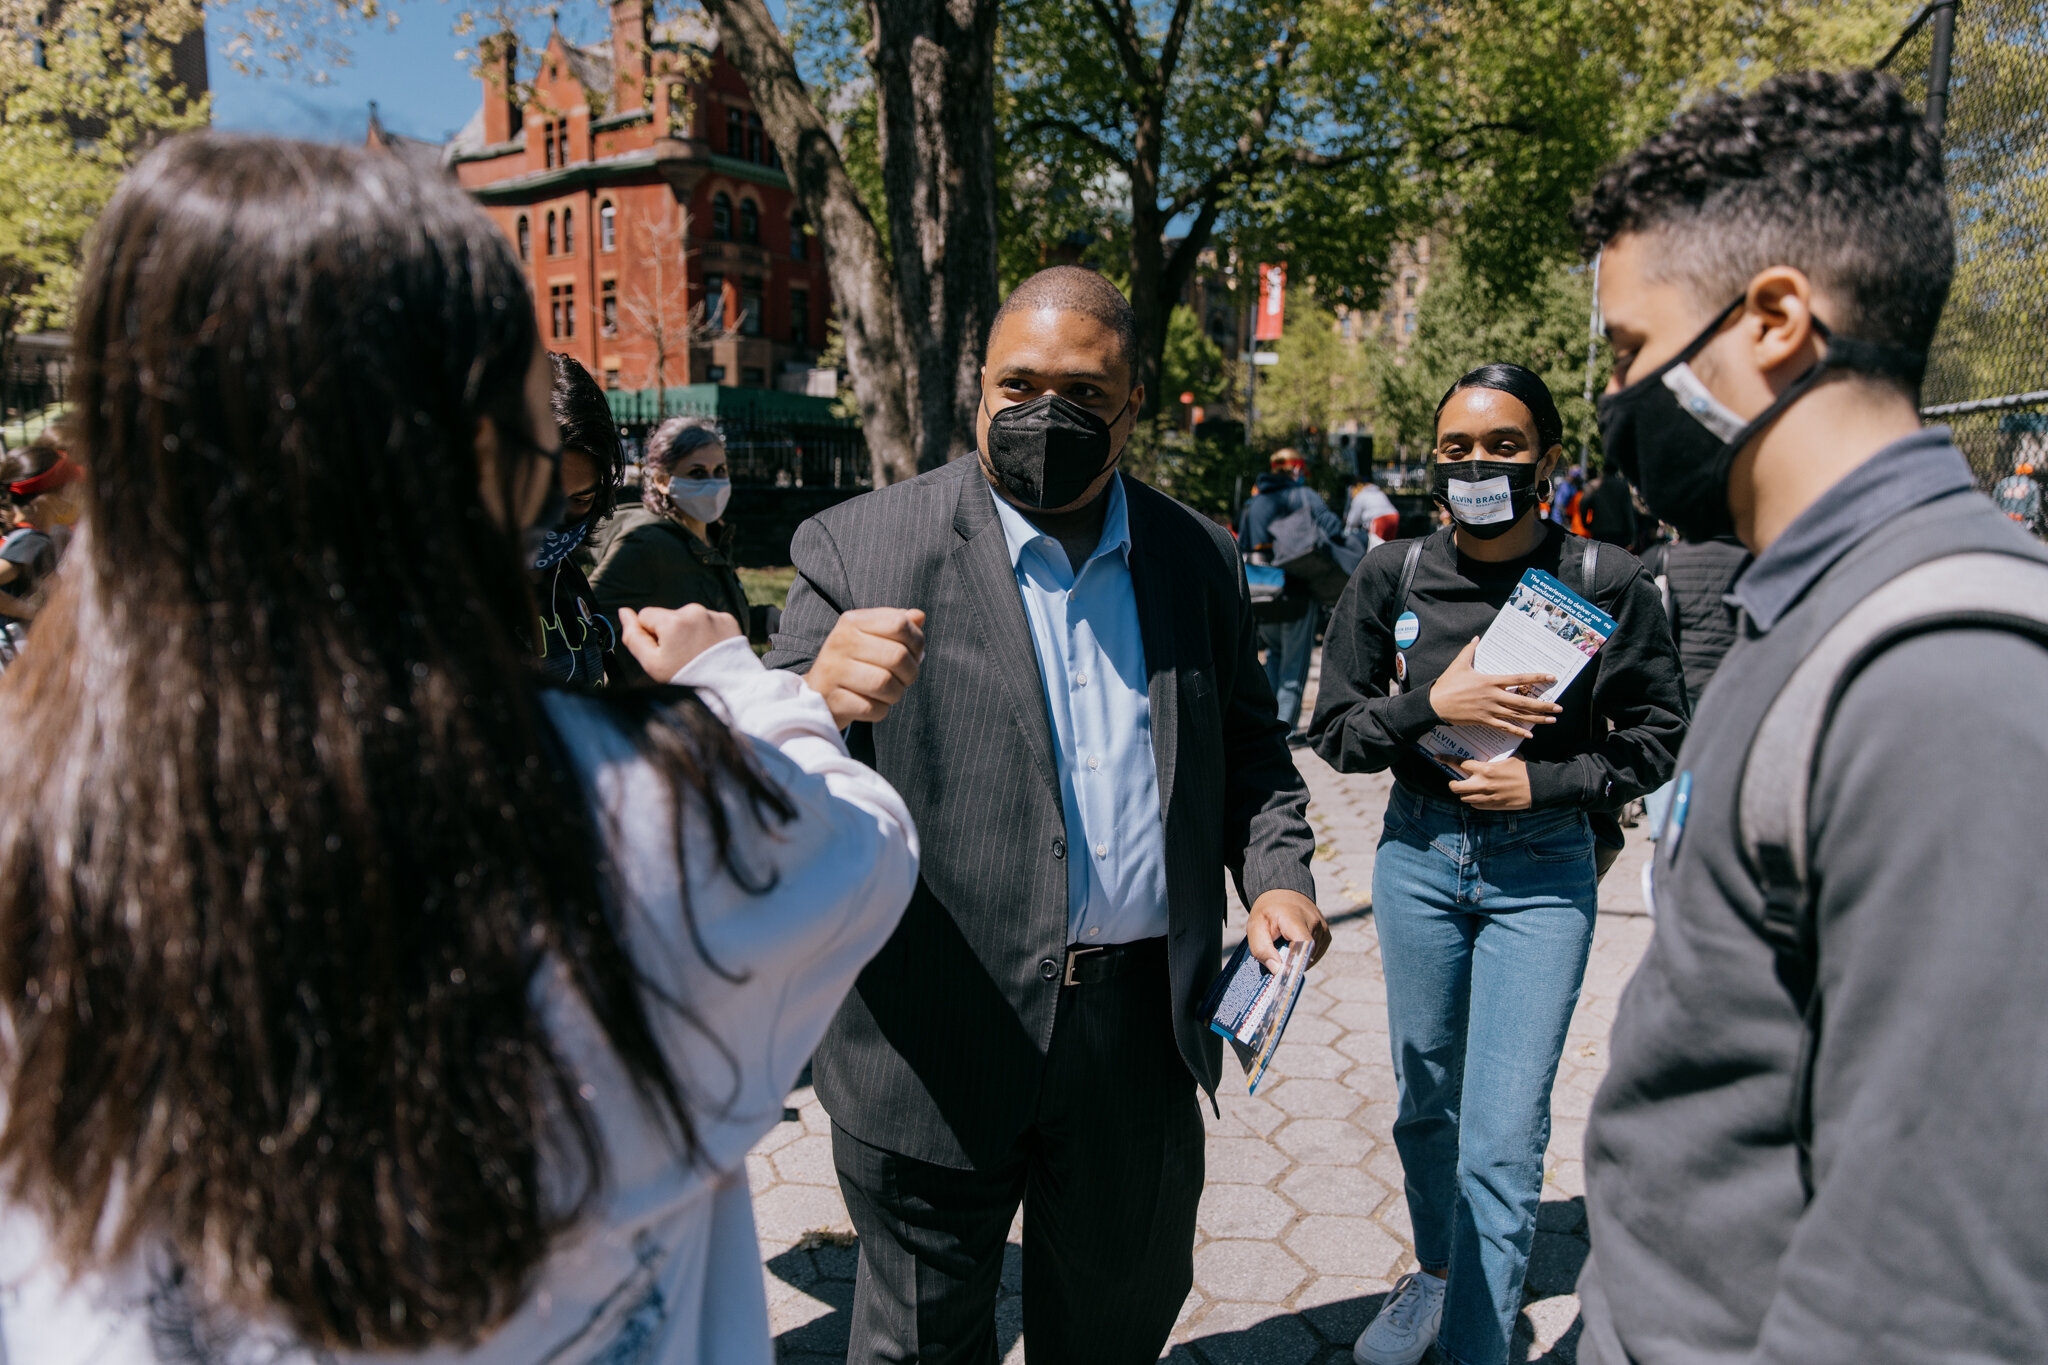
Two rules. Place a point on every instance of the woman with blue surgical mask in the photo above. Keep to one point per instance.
(675, 549)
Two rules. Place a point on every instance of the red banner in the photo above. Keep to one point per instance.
(1272, 302)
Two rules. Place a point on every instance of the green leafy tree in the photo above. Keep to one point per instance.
(1464, 320)
(1532, 97)
(83, 91)
(1321, 132)
(1319, 380)
(1194, 363)
(1190, 115)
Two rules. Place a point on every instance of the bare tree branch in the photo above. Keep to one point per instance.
(658, 300)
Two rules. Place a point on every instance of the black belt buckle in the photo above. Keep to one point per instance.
(1074, 955)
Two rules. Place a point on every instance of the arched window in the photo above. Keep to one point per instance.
(799, 237)
(721, 218)
(524, 235)
(607, 226)
(750, 222)
(735, 133)
(754, 138)
(568, 230)
(678, 111)
(554, 242)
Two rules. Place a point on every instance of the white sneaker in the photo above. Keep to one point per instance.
(1402, 1333)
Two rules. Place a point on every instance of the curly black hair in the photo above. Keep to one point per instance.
(1834, 173)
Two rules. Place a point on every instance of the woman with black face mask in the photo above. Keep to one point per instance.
(1485, 887)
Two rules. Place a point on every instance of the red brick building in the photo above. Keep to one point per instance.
(664, 245)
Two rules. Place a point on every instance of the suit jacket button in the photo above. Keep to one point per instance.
(1059, 848)
(1048, 969)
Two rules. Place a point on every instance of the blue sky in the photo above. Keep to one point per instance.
(412, 73)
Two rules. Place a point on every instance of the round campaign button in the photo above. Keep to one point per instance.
(1407, 627)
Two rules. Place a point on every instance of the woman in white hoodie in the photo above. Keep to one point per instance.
(359, 997)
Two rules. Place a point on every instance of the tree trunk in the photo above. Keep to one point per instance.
(914, 327)
(854, 259)
(1149, 298)
(934, 65)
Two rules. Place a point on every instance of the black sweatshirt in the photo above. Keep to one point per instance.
(1633, 682)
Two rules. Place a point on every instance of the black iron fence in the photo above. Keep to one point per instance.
(781, 455)
(772, 439)
(31, 396)
(1981, 68)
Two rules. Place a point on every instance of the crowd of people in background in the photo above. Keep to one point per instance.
(433, 891)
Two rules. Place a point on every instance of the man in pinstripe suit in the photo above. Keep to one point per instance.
(1088, 745)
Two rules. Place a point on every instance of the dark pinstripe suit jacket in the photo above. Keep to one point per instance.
(937, 1052)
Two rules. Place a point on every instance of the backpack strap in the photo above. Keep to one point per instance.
(1408, 563)
(1588, 561)
(1982, 589)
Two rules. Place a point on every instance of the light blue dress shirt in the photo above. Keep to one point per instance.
(1091, 662)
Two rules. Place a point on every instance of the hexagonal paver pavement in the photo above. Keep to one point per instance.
(1302, 1226)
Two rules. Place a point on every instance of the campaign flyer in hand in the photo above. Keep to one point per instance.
(1250, 1006)
(1544, 628)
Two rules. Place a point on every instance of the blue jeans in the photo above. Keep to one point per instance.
(1288, 645)
(1485, 920)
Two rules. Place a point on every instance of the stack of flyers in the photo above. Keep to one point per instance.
(1250, 1006)
(1544, 628)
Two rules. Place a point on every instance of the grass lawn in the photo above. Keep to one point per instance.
(767, 587)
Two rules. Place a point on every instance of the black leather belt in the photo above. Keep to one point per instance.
(1086, 966)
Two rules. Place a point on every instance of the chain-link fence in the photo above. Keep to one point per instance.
(1982, 70)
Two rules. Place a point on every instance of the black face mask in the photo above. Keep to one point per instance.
(1490, 497)
(1676, 442)
(1048, 450)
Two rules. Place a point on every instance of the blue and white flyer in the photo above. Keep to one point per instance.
(1544, 628)
(1250, 1006)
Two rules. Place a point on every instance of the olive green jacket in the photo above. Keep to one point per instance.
(651, 561)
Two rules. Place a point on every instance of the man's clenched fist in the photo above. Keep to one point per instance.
(869, 660)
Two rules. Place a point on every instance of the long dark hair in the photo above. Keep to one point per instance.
(294, 838)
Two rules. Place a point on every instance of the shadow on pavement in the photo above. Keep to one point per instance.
(1311, 1336)
(823, 1267)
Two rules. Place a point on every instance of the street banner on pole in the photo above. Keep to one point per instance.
(1272, 301)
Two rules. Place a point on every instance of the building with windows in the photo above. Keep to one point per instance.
(1394, 321)
(663, 242)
